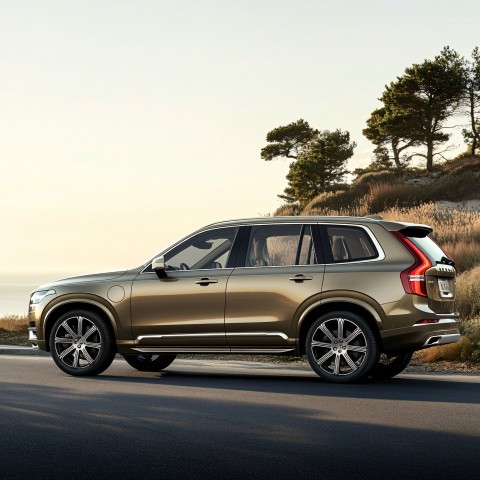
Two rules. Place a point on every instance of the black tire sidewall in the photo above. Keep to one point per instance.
(107, 351)
(159, 364)
(372, 354)
(398, 365)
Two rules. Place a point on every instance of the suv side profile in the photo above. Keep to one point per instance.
(356, 295)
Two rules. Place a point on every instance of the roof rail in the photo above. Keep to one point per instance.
(374, 217)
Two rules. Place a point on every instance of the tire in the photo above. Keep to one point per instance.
(341, 347)
(149, 362)
(390, 365)
(82, 343)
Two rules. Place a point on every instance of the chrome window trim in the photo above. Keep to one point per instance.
(381, 253)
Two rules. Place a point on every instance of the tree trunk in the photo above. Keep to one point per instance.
(396, 153)
(429, 156)
(473, 121)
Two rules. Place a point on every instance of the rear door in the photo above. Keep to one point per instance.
(280, 267)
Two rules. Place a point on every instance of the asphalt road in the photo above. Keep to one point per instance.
(233, 420)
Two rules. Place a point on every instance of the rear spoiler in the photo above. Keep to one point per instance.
(408, 229)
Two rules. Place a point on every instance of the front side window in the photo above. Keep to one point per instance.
(280, 245)
(350, 244)
(203, 251)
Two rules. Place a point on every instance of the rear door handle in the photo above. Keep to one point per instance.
(206, 281)
(300, 278)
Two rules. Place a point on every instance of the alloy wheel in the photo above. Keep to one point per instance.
(78, 342)
(339, 346)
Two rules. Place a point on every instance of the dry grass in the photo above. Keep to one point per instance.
(462, 163)
(14, 323)
(389, 195)
(467, 299)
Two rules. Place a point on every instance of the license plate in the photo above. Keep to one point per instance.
(444, 286)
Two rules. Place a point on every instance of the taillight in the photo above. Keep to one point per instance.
(413, 278)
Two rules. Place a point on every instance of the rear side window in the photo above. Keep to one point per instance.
(280, 245)
(349, 244)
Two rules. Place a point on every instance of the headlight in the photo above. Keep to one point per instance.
(37, 297)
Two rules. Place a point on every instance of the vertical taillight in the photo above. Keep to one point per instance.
(413, 278)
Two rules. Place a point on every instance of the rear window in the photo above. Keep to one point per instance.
(429, 248)
(350, 244)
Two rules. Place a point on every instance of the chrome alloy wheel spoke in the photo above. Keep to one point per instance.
(322, 360)
(76, 358)
(340, 323)
(354, 334)
(350, 362)
(336, 370)
(93, 345)
(67, 327)
(357, 348)
(321, 344)
(79, 325)
(86, 355)
(63, 340)
(67, 351)
(90, 331)
(327, 332)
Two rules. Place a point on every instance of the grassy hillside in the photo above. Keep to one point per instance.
(414, 196)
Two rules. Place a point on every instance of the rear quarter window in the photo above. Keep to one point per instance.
(349, 244)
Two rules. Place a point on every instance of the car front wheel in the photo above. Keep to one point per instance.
(82, 343)
(341, 347)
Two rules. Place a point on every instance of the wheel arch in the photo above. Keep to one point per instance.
(76, 304)
(335, 304)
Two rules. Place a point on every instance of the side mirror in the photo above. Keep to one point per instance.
(158, 264)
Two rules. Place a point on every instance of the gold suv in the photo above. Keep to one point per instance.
(356, 295)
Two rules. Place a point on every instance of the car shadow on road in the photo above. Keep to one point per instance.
(413, 389)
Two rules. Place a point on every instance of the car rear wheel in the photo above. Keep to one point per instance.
(82, 343)
(148, 362)
(341, 347)
(390, 365)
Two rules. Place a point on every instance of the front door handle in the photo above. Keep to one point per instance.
(300, 278)
(206, 281)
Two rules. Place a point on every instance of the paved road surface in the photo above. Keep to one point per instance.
(233, 420)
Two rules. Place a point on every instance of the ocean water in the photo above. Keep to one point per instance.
(15, 290)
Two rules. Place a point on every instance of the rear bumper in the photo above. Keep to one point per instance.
(419, 336)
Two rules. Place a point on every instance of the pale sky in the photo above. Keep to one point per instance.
(125, 125)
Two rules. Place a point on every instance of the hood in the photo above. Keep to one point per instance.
(95, 277)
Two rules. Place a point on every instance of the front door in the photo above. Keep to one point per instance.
(186, 306)
(281, 270)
